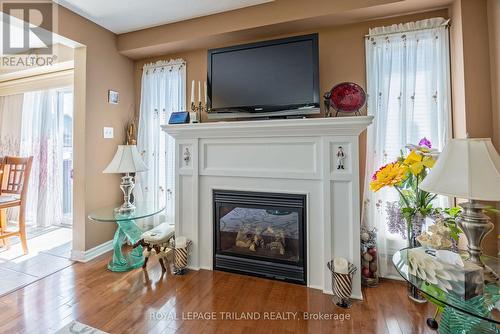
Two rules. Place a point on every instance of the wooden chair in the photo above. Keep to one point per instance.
(13, 189)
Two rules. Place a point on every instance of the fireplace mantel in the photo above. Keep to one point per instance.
(296, 156)
(281, 127)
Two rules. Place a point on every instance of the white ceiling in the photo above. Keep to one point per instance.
(121, 16)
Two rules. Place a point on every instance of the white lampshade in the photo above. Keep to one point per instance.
(126, 160)
(467, 168)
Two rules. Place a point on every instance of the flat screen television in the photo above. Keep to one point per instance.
(267, 76)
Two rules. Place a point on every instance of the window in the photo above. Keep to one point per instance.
(163, 91)
(408, 86)
(47, 135)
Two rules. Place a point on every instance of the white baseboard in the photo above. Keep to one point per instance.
(90, 254)
(358, 297)
(203, 268)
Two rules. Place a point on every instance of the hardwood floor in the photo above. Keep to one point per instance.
(130, 303)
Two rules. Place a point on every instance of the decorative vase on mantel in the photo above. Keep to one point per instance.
(414, 230)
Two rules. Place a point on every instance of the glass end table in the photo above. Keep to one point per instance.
(474, 315)
(127, 231)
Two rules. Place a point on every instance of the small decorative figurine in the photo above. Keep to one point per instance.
(340, 158)
(131, 134)
(187, 156)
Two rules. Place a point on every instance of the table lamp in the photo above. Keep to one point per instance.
(126, 160)
(470, 169)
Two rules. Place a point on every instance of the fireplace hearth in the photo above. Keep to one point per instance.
(260, 234)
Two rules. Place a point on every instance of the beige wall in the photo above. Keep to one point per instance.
(99, 66)
(341, 58)
(494, 38)
(104, 69)
(470, 62)
(457, 71)
(476, 68)
(341, 54)
(219, 27)
(474, 93)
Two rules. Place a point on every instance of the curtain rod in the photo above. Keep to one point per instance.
(445, 24)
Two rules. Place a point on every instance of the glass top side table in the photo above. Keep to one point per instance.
(475, 315)
(127, 230)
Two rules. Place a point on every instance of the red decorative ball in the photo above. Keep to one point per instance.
(372, 251)
(366, 272)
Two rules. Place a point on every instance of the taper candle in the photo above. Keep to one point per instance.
(205, 92)
(199, 91)
(192, 91)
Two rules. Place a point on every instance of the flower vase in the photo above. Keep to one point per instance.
(414, 230)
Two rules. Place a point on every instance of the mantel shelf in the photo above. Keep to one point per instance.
(281, 128)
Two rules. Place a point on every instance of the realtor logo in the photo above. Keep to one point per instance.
(27, 27)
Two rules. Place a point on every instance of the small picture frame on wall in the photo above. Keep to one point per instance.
(113, 97)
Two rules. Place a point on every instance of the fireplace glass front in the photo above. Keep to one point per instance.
(260, 234)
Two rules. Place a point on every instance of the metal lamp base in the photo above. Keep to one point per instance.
(125, 209)
(475, 225)
(127, 185)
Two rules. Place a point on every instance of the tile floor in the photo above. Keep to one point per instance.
(49, 251)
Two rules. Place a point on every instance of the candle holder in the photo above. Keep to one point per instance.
(197, 111)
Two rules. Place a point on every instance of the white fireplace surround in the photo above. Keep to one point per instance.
(282, 156)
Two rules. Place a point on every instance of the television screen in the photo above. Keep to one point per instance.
(266, 76)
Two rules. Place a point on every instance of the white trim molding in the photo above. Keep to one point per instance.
(39, 78)
(90, 254)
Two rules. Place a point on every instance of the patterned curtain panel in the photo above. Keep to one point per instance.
(163, 92)
(42, 137)
(11, 110)
(408, 85)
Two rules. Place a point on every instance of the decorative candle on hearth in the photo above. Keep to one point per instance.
(181, 254)
(180, 242)
(340, 265)
(192, 91)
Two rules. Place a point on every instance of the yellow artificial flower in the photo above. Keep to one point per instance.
(417, 162)
(388, 175)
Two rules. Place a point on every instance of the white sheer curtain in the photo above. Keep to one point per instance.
(42, 137)
(11, 110)
(163, 92)
(408, 85)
